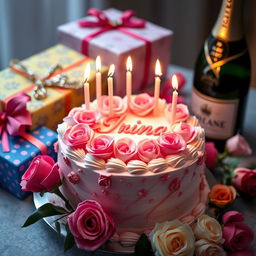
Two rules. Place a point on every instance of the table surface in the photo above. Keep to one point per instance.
(41, 240)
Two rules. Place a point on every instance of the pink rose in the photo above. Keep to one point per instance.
(182, 112)
(148, 150)
(84, 116)
(42, 174)
(237, 236)
(119, 106)
(187, 131)
(90, 225)
(125, 149)
(102, 146)
(245, 180)
(171, 143)
(238, 146)
(232, 216)
(78, 135)
(211, 155)
(141, 104)
(246, 252)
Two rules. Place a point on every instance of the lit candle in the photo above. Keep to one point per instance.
(110, 88)
(129, 79)
(158, 73)
(87, 87)
(174, 99)
(98, 82)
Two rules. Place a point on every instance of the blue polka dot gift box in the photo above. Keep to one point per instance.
(14, 163)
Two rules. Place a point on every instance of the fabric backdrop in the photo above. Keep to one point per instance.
(29, 26)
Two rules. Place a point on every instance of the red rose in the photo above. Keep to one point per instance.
(245, 180)
(101, 147)
(211, 155)
(42, 174)
(171, 143)
(90, 225)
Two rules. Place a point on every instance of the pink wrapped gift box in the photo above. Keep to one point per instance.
(115, 44)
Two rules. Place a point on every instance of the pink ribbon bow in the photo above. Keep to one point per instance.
(14, 118)
(103, 21)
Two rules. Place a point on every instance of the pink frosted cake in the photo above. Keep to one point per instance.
(139, 167)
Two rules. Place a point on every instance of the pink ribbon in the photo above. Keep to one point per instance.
(13, 120)
(105, 25)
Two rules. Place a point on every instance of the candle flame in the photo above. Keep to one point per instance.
(158, 71)
(87, 72)
(174, 82)
(111, 70)
(129, 64)
(98, 64)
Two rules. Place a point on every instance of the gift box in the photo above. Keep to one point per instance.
(13, 164)
(58, 102)
(114, 36)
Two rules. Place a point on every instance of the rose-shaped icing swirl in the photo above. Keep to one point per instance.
(119, 106)
(208, 228)
(148, 150)
(176, 161)
(157, 165)
(125, 149)
(101, 146)
(172, 238)
(182, 113)
(137, 167)
(187, 131)
(90, 225)
(83, 116)
(205, 248)
(141, 104)
(171, 143)
(94, 163)
(115, 165)
(78, 136)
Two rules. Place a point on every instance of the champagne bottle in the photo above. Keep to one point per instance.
(222, 76)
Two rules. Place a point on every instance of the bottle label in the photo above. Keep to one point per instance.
(217, 116)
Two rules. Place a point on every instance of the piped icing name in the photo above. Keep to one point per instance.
(140, 129)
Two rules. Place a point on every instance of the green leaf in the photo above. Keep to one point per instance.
(69, 239)
(143, 247)
(45, 210)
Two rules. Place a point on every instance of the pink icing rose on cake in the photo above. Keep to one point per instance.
(119, 106)
(78, 136)
(187, 131)
(42, 175)
(90, 225)
(141, 104)
(171, 143)
(182, 112)
(102, 146)
(172, 238)
(125, 149)
(148, 150)
(84, 116)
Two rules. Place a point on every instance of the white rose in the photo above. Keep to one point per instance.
(172, 238)
(204, 248)
(208, 228)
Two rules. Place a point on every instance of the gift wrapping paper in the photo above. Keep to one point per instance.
(115, 46)
(13, 164)
(51, 110)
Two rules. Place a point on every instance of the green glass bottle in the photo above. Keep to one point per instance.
(222, 76)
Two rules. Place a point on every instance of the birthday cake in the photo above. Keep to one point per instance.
(141, 167)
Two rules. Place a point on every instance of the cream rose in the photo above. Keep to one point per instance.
(172, 238)
(209, 229)
(204, 248)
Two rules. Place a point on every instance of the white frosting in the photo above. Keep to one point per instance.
(76, 154)
(128, 239)
(137, 167)
(94, 163)
(176, 161)
(157, 165)
(115, 165)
